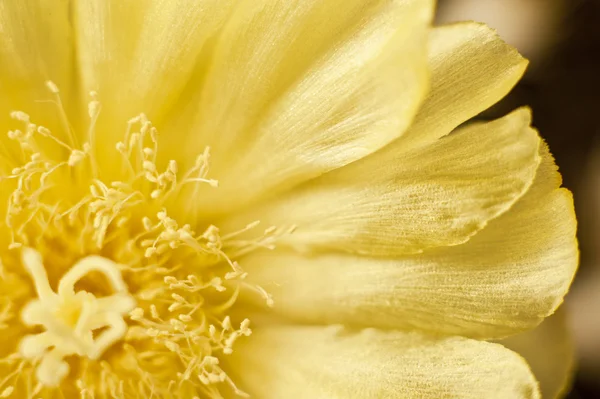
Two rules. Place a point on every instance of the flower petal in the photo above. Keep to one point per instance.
(549, 351)
(298, 88)
(139, 54)
(315, 362)
(471, 70)
(36, 45)
(436, 196)
(505, 280)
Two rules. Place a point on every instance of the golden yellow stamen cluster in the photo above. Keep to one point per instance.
(141, 304)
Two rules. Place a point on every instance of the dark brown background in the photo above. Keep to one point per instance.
(562, 40)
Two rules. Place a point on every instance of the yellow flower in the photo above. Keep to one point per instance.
(146, 141)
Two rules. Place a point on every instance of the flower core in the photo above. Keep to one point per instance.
(103, 293)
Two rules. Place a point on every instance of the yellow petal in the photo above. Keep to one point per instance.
(317, 362)
(436, 196)
(36, 45)
(139, 54)
(297, 88)
(549, 352)
(506, 279)
(471, 70)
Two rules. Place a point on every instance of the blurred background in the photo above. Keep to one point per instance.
(561, 38)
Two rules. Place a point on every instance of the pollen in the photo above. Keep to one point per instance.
(105, 290)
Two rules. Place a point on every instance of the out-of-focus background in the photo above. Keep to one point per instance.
(561, 38)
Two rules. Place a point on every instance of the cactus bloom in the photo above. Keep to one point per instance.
(268, 198)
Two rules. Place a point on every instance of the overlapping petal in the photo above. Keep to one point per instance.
(315, 362)
(506, 279)
(471, 70)
(297, 88)
(550, 353)
(436, 196)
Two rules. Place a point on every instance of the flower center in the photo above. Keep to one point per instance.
(103, 293)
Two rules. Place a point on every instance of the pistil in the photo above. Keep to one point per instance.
(70, 318)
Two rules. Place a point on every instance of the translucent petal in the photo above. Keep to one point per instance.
(550, 352)
(316, 362)
(436, 196)
(298, 88)
(471, 70)
(506, 279)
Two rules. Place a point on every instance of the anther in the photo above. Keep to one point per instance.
(52, 87)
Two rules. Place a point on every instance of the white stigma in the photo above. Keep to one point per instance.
(70, 318)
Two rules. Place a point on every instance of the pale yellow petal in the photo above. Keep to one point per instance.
(139, 54)
(329, 363)
(36, 45)
(471, 70)
(436, 196)
(506, 279)
(549, 351)
(300, 87)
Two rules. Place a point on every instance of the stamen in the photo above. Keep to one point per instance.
(63, 114)
(183, 281)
